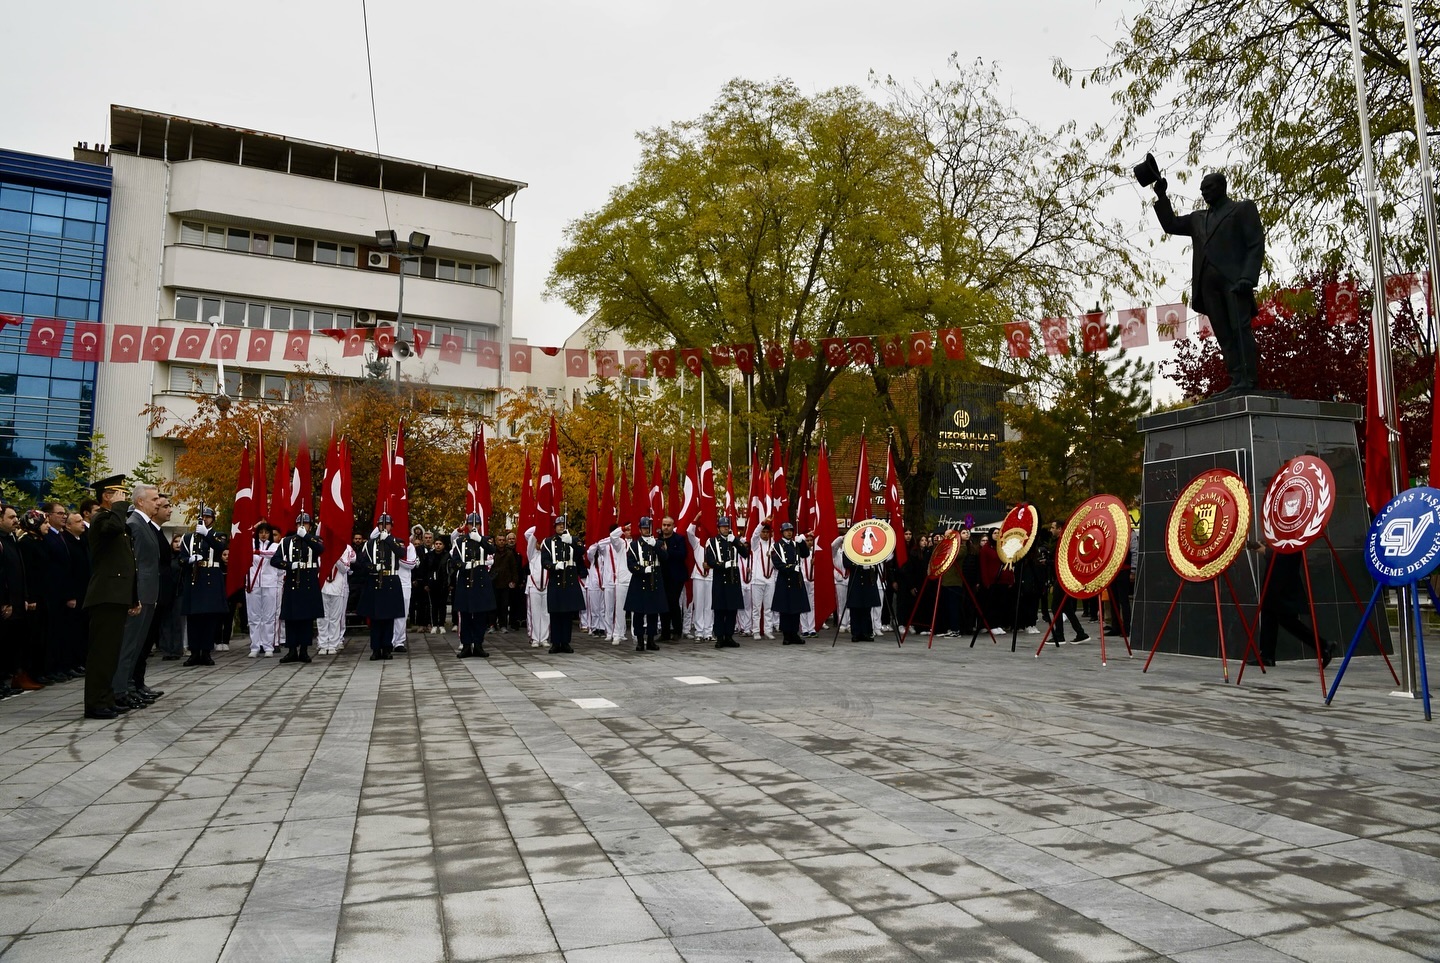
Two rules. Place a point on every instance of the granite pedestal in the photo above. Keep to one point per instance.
(1252, 435)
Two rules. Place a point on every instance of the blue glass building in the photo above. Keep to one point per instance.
(54, 216)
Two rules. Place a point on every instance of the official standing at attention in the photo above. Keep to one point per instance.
(722, 555)
(204, 605)
(564, 562)
(474, 602)
(789, 600)
(147, 581)
(645, 599)
(110, 598)
(300, 600)
(381, 600)
(863, 597)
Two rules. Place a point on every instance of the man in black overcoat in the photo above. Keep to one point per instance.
(564, 560)
(645, 598)
(381, 600)
(205, 605)
(301, 603)
(110, 598)
(474, 601)
(863, 597)
(790, 599)
(727, 593)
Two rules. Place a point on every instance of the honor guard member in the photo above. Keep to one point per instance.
(381, 602)
(474, 601)
(110, 597)
(723, 554)
(646, 596)
(564, 562)
(204, 605)
(298, 555)
(789, 599)
(863, 597)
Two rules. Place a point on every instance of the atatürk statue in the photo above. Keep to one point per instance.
(1229, 246)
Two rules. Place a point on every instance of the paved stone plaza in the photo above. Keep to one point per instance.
(856, 803)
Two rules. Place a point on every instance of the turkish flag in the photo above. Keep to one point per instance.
(355, 342)
(260, 346)
(1017, 338)
(520, 357)
(1170, 321)
(607, 364)
(190, 343)
(1401, 287)
(125, 343)
(297, 346)
(1206, 329)
(157, 344)
(487, 354)
(1094, 336)
(774, 356)
(46, 334)
(1055, 333)
(421, 339)
(384, 343)
(744, 357)
(89, 341)
(804, 350)
(922, 349)
(694, 360)
(834, 351)
(577, 363)
(953, 341)
(722, 356)
(1134, 327)
(862, 351)
(451, 348)
(663, 362)
(224, 346)
(334, 334)
(635, 364)
(1342, 303)
(8, 319)
(892, 350)
(242, 521)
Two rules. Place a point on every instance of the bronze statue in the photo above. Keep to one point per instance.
(1229, 246)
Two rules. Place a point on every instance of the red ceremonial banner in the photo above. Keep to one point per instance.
(721, 356)
(125, 343)
(862, 351)
(1055, 334)
(774, 356)
(1017, 338)
(223, 347)
(89, 341)
(694, 360)
(1205, 329)
(922, 349)
(607, 364)
(635, 364)
(8, 319)
(663, 362)
(297, 346)
(744, 355)
(157, 344)
(953, 341)
(421, 339)
(1170, 321)
(355, 342)
(487, 354)
(46, 335)
(520, 358)
(190, 343)
(804, 350)
(892, 350)
(1342, 303)
(261, 344)
(1093, 334)
(834, 351)
(577, 363)
(1134, 327)
(384, 341)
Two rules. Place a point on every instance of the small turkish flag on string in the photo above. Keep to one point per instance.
(922, 349)
(46, 334)
(157, 344)
(607, 364)
(635, 364)
(892, 351)
(548, 350)
(862, 351)
(421, 338)
(774, 356)
(804, 350)
(1134, 327)
(1055, 333)
(834, 351)
(223, 347)
(520, 358)
(744, 355)
(953, 341)
(1170, 321)
(663, 362)
(694, 360)
(1093, 334)
(1342, 303)
(334, 334)
(487, 354)
(8, 319)
(297, 346)
(384, 341)
(452, 347)
(1017, 338)
(721, 356)
(1205, 328)
(577, 363)
(261, 343)
(125, 343)
(190, 343)
(89, 341)
(355, 342)
(1401, 287)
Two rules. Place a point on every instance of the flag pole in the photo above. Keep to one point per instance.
(1427, 173)
(1380, 334)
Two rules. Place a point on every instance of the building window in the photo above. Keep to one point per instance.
(192, 233)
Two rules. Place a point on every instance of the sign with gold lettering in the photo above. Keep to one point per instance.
(1092, 547)
(1207, 526)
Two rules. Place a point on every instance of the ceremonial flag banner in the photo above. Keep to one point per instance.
(278, 513)
(744, 355)
(804, 350)
(8, 319)
(1055, 334)
(862, 351)
(774, 356)
(922, 349)
(577, 363)
(46, 335)
(655, 506)
(759, 499)
(594, 528)
(452, 347)
(721, 356)
(547, 487)
(125, 343)
(484, 503)
(520, 358)
(1134, 327)
(1204, 327)
(337, 511)
(157, 344)
(384, 341)
(663, 362)
(548, 350)
(805, 505)
(729, 507)
(892, 350)
(260, 345)
(1170, 321)
(779, 505)
(706, 507)
(827, 531)
(382, 484)
(421, 338)
(334, 334)
(892, 505)
(834, 351)
(607, 496)
(525, 522)
(242, 524)
(487, 354)
(607, 364)
(354, 342)
(1094, 336)
(400, 488)
(688, 511)
(635, 364)
(257, 477)
(953, 341)
(860, 510)
(693, 359)
(190, 343)
(1017, 339)
(672, 501)
(639, 490)
(301, 481)
(1401, 287)
(297, 346)
(89, 341)
(1342, 305)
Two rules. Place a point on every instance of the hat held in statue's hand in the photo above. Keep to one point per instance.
(1147, 171)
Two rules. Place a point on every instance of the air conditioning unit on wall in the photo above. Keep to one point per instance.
(378, 260)
(364, 319)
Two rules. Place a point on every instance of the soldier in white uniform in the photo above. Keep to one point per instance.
(404, 569)
(537, 583)
(610, 555)
(699, 613)
(807, 575)
(262, 596)
(335, 593)
(763, 621)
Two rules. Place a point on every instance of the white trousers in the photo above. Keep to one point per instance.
(807, 619)
(594, 617)
(537, 616)
(702, 613)
(332, 626)
(615, 610)
(842, 592)
(262, 607)
(762, 595)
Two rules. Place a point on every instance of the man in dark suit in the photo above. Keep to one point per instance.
(164, 599)
(1228, 250)
(674, 568)
(110, 599)
(12, 600)
(143, 501)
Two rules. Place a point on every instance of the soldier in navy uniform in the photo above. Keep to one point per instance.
(862, 599)
(727, 595)
(382, 601)
(646, 596)
(790, 598)
(566, 565)
(474, 601)
(298, 555)
(204, 603)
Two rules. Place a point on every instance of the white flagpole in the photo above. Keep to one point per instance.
(1427, 174)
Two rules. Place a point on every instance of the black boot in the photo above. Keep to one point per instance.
(290, 657)
(639, 646)
(465, 651)
(650, 646)
(481, 653)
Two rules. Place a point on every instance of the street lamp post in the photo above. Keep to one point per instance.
(410, 250)
(1024, 479)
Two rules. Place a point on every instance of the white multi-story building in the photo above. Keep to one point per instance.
(215, 228)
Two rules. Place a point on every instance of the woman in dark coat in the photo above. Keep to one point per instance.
(646, 595)
(474, 601)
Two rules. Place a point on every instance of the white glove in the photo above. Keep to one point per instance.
(196, 557)
(565, 538)
(384, 534)
(648, 540)
(201, 529)
(474, 536)
(301, 530)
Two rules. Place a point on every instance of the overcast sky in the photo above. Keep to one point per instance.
(546, 92)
